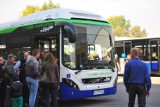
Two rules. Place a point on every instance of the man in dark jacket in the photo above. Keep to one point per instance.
(20, 66)
(2, 85)
(9, 68)
(137, 79)
(9, 73)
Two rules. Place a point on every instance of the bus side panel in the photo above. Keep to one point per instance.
(68, 93)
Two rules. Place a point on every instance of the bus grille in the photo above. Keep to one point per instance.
(96, 80)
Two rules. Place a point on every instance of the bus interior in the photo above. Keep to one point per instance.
(149, 52)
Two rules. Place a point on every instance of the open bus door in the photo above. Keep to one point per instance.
(154, 48)
(127, 47)
(123, 48)
(46, 44)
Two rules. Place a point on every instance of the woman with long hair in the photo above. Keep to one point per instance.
(50, 78)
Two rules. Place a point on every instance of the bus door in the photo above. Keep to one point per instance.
(159, 55)
(127, 47)
(46, 44)
(154, 55)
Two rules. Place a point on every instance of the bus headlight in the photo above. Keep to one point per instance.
(70, 83)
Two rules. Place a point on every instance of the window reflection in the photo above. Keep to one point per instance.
(92, 49)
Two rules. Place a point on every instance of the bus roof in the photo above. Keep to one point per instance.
(54, 14)
(129, 38)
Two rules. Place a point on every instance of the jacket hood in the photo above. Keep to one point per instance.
(31, 59)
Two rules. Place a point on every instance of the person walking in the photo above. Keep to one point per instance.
(2, 84)
(9, 73)
(20, 67)
(32, 74)
(50, 77)
(16, 92)
(137, 79)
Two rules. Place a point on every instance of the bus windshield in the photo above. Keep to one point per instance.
(92, 49)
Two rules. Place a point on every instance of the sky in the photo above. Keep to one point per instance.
(140, 12)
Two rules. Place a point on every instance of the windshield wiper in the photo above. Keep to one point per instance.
(78, 71)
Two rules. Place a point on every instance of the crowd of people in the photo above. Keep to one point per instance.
(30, 82)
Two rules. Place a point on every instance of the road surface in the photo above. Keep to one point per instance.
(118, 100)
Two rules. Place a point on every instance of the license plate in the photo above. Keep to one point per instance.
(98, 92)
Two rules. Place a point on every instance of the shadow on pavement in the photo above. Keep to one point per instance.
(83, 102)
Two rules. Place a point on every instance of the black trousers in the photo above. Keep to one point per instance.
(49, 95)
(140, 91)
(2, 95)
(25, 95)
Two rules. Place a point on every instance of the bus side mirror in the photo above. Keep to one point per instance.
(70, 29)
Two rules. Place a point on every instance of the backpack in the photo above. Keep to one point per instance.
(22, 74)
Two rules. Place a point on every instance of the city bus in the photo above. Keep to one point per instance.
(149, 52)
(82, 42)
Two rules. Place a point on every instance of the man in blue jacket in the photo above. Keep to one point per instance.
(137, 79)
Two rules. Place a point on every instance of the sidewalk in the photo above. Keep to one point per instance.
(155, 80)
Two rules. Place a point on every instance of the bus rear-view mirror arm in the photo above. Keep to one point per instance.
(71, 30)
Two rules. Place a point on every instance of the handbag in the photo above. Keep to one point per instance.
(43, 78)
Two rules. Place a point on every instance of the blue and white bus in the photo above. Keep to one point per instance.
(82, 41)
(149, 52)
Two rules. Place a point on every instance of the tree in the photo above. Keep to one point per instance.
(32, 9)
(44, 6)
(137, 32)
(122, 27)
(51, 5)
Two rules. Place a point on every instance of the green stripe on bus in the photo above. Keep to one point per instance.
(12, 28)
(8, 30)
(84, 22)
(99, 74)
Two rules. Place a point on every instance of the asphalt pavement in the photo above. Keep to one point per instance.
(118, 100)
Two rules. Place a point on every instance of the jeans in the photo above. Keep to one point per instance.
(33, 88)
(140, 91)
(49, 95)
(17, 102)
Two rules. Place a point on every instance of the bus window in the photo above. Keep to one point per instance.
(119, 48)
(3, 51)
(46, 44)
(153, 55)
(142, 52)
(153, 51)
(69, 54)
(128, 46)
(89, 51)
(19, 51)
(143, 49)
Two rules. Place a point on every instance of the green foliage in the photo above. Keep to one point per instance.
(32, 9)
(137, 32)
(122, 27)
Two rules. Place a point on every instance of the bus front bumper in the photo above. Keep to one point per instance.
(67, 93)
